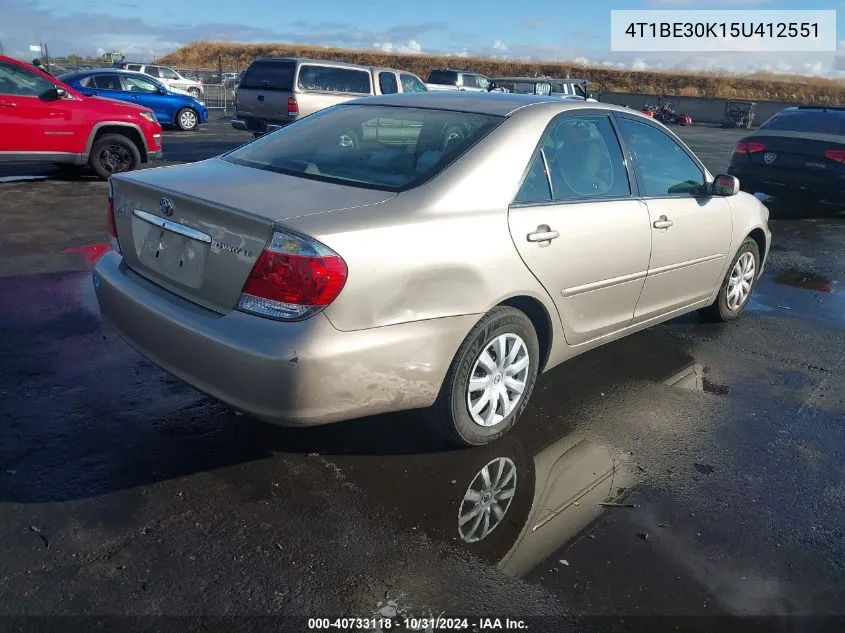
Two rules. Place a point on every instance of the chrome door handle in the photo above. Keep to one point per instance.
(542, 234)
(662, 222)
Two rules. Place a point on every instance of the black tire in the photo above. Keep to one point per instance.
(719, 311)
(113, 154)
(185, 126)
(450, 414)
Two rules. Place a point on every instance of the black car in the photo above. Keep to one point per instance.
(800, 151)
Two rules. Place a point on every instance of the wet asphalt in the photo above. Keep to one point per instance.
(125, 492)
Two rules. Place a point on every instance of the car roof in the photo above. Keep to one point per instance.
(311, 60)
(109, 70)
(491, 103)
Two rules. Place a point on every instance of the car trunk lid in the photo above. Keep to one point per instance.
(796, 150)
(197, 229)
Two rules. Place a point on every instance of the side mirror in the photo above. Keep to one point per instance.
(53, 94)
(724, 185)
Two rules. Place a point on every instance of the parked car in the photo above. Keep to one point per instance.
(47, 121)
(166, 75)
(274, 92)
(799, 151)
(304, 280)
(453, 79)
(571, 88)
(170, 108)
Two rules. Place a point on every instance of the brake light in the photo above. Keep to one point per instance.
(749, 147)
(293, 106)
(836, 154)
(293, 278)
(111, 220)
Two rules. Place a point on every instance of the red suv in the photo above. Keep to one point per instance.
(43, 120)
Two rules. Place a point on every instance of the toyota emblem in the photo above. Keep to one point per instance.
(166, 206)
(769, 157)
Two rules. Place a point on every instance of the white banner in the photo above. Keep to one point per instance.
(747, 31)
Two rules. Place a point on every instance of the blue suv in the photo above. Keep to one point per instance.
(170, 108)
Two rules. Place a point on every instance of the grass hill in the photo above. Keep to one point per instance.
(759, 86)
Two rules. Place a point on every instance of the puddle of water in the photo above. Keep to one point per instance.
(694, 377)
(89, 253)
(808, 280)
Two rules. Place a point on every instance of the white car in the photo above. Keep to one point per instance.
(169, 77)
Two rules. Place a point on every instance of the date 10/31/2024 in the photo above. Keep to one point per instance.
(422, 624)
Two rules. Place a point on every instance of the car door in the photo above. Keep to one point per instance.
(580, 228)
(691, 229)
(31, 124)
(145, 92)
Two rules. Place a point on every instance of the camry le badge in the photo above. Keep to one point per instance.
(166, 206)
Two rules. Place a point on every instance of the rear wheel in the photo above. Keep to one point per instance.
(113, 154)
(194, 92)
(490, 380)
(187, 120)
(737, 285)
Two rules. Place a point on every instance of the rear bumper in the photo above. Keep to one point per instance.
(257, 126)
(753, 178)
(294, 374)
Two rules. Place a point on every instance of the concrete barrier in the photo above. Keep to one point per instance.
(701, 109)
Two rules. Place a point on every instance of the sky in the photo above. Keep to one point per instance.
(549, 30)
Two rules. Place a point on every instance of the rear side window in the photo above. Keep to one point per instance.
(269, 75)
(107, 82)
(152, 71)
(334, 79)
(470, 82)
(443, 77)
(133, 67)
(810, 121)
(387, 83)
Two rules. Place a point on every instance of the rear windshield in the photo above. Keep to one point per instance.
(376, 147)
(443, 77)
(811, 121)
(269, 75)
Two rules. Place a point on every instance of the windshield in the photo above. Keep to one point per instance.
(812, 121)
(377, 147)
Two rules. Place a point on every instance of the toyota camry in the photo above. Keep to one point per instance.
(421, 251)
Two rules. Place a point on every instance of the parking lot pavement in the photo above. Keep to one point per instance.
(124, 491)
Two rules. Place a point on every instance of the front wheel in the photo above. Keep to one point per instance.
(737, 285)
(194, 92)
(490, 380)
(113, 154)
(187, 120)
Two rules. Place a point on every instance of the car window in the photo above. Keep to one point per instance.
(443, 77)
(152, 71)
(469, 81)
(137, 84)
(268, 75)
(133, 67)
(167, 73)
(387, 83)
(108, 81)
(18, 81)
(411, 83)
(372, 146)
(334, 79)
(810, 121)
(482, 81)
(664, 167)
(585, 159)
(536, 187)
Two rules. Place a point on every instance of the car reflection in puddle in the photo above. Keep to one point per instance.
(518, 501)
(809, 280)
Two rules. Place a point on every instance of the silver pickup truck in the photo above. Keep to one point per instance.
(274, 92)
(452, 79)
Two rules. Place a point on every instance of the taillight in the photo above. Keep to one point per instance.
(111, 220)
(293, 106)
(293, 278)
(749, 147)
(836, 154)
